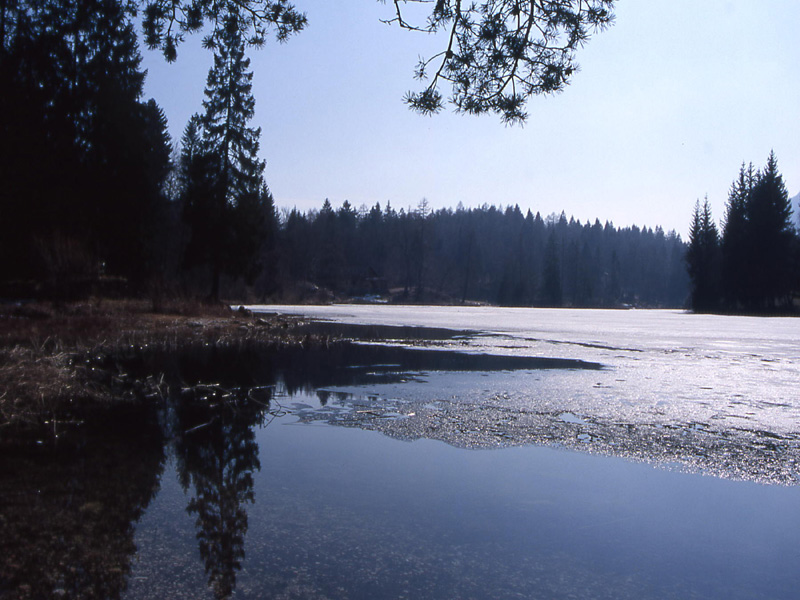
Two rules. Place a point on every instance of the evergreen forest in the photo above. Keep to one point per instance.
(752, 263)
(97, 199)
(486, 254)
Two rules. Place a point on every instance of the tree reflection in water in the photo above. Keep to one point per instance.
(68, 512)
(68, 509)
(216, 455)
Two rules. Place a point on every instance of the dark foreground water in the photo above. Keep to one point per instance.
(374, 472)
(340, 513)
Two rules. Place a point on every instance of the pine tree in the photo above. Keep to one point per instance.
(770, 239)
(226, 203)
(735, 252)
(86, 160)
(229, 108)
(702, 259)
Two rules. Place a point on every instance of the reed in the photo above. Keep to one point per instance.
(57, 361)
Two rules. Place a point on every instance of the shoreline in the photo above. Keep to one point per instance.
(66, 360)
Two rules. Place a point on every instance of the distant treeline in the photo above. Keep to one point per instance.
(95, 198)
(754, 264)
(488, 254)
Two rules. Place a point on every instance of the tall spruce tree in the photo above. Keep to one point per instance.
(226, 202)
(735, 251)
(758, 241)
(770, 239)
(702, 258)
(82, 158)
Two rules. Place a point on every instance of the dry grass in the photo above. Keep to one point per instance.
(41, 369)
(33, 384)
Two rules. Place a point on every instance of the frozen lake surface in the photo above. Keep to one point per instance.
(674, 386)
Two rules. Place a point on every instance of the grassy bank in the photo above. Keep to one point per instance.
(57, 361)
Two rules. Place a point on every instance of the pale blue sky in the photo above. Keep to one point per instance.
(668, 103)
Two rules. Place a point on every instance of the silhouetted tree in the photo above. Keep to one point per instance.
(295, 253)
(226, 202)
(83, 159)
(770, 235)
(166, 22)
(758, 241)
(702, 259)
(551, 284)
(329, 260)
(735, 251)
(486, 254)
(420, 244)
(500, 53)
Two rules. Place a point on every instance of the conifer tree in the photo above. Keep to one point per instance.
(328, 257)
(702, 259)
(79, 147)
(226, 202)
(770, 239)
(203, 208)
(229, 107)
(498, 53)
(758, 241)
(735, 252)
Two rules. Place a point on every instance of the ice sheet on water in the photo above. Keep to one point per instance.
(717, 393)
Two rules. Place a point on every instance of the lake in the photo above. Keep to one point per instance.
(450, 453)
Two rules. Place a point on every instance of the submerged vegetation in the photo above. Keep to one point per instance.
(56, 365)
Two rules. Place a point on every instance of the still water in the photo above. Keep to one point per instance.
(604, 454)
(347, 513)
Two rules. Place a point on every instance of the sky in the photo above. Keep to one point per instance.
(668, 104)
